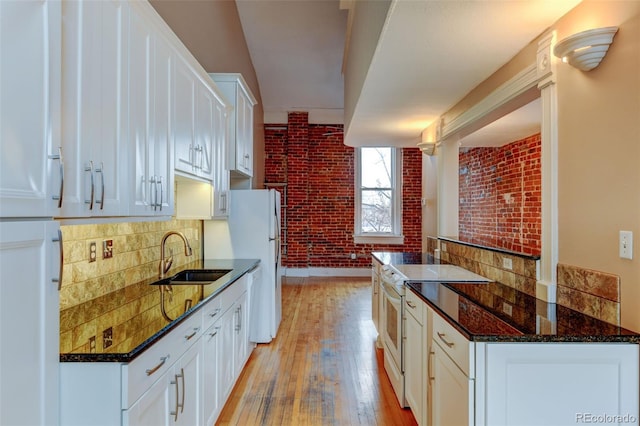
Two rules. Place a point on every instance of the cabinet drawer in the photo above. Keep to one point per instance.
(211, 312)
(414, 306)
(141, 373)
(452, 342)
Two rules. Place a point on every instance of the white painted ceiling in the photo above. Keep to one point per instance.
(430, 54)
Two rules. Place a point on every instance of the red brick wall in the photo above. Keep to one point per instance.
(319, 172)
(500, 196)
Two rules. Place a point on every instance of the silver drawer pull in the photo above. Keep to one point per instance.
(214, 313)
(157, 367)
(411, 304)
(441, 336)
(190, 336)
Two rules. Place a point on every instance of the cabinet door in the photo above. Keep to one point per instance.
(183, 117)
(451, 391)
(566, 380)
(241, 329)
(204, 129)
(30, 166)
(210, 372)
(150, 62)
(29, 323)
(226, 358)
(154, 406)
(188, 371)
(141, 105)
(94, 99)
(244, 133)
(375, 298)
(415, 377)
(221, 172)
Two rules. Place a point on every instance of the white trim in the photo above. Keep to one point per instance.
(546, 287)
(378, 239)
(396, 160)
(327, 272)
(510, 90)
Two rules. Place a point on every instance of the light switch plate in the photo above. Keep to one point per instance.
(626, 245)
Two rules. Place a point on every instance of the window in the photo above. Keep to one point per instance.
(378, 217)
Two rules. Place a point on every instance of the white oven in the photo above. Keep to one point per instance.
(392, 294)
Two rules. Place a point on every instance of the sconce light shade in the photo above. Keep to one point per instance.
(427, 147)
(586, 49)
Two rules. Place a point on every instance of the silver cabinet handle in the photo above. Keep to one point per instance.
(191, 157)
(239, 312)
(411, 304)
(101, 171)
(429, 368)
(441, 336)
(214, 334)
(59, 241)
(150, 371)
(223, 199)
(181, 375)
(159, 179)
(190, 336)
(153, 192)
(214, 313)
(175, 413)
(61, 191)
(93, 186)
(201, 150)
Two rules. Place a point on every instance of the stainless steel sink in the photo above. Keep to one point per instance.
(198, 276)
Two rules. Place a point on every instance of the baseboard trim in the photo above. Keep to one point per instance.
(326, 272)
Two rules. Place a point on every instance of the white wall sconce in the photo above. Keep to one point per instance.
(585, 49)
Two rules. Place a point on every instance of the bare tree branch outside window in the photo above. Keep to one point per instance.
(377, 190)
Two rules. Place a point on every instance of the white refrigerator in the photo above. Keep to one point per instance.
(252, 231)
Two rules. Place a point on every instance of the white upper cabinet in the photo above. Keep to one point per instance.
(240, 147)
(95, 109)
(150, 77)
(31, 168)
(221, 183)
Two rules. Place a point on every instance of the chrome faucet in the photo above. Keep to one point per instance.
(165, 264)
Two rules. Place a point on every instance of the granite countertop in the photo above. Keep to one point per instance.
(494, 312)
(146, 325)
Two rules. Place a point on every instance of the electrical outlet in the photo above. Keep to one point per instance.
(107, 338)
(507, 263)
(353, 256)
(92, 344)
(107, 249)
(626, 245)
(507, 308)
(92, 251)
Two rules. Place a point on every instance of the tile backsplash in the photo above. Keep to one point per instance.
(136, 255)
(522, 274)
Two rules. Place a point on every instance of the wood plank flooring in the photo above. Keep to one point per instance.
(323, 367)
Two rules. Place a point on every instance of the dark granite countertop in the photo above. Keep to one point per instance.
(494, 312)
(145, 328)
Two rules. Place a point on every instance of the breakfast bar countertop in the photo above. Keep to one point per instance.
(134, 315)
(494, 312)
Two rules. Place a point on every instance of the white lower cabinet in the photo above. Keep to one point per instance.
(415, 354)
(183, 379)
(559, 384)
(522, 383)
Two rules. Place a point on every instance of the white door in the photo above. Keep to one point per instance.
(226, 358)
(31, 169)
(451, 390)
(210, 374)
(415, 383)
(30, 260)
(183, 117)
(154, 406)
(188, 373)
(94, 99)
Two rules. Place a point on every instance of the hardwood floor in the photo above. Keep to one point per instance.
(323, 367)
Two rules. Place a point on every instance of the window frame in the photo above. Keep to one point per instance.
(395, 236)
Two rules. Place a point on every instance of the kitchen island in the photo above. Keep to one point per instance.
(486, 354)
